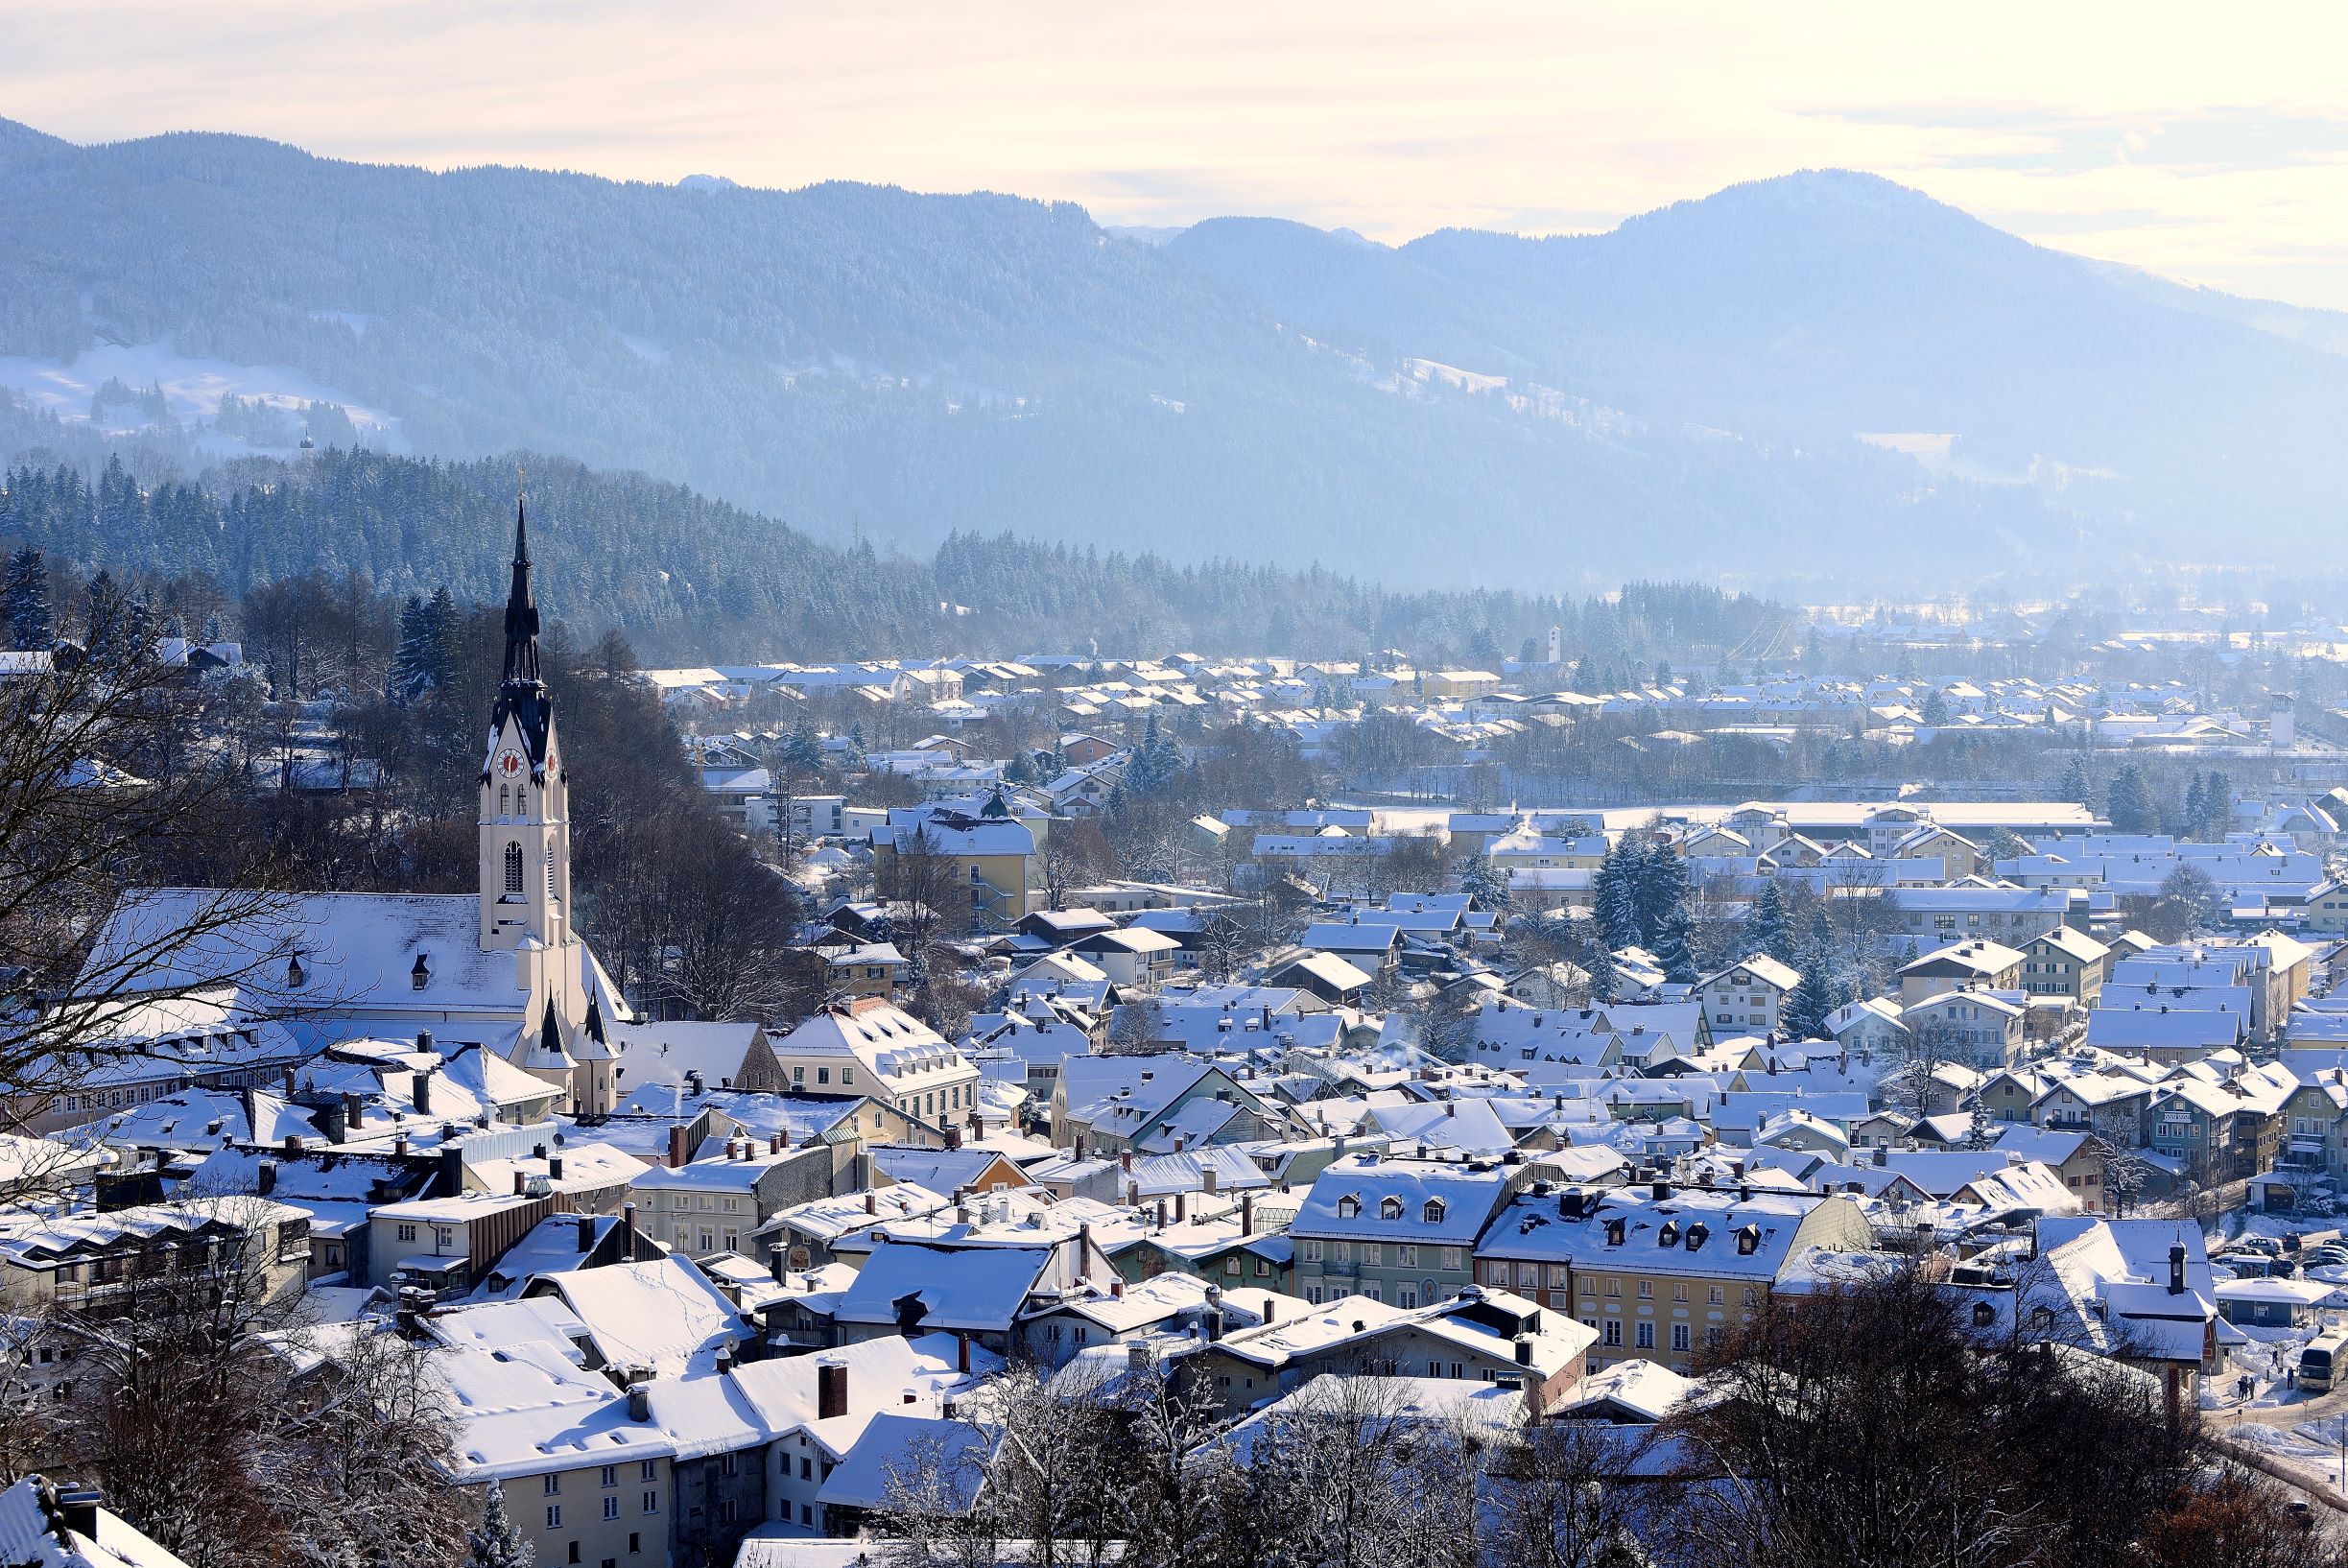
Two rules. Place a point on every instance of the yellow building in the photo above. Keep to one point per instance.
(1656, 1276)
(983, 865)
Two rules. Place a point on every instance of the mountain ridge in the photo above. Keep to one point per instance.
(1690, 385)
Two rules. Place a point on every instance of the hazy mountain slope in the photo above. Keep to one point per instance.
(923, 365)
(1819, 305)
(2324, 329)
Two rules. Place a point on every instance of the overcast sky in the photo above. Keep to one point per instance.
(2208, 143)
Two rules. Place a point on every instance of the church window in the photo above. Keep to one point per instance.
(514, 868)
(505, 802)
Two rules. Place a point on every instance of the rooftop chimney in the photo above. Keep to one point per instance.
(831, 1389)
(586, 1233)
(2176, 1269)
(77, 1510)
(677, 1146)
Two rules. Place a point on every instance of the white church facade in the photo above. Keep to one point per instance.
(500, 968)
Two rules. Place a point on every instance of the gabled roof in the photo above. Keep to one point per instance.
(977, 1287)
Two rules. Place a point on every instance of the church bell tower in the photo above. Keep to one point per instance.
(525, 797)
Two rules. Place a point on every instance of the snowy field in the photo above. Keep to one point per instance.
(193, 386)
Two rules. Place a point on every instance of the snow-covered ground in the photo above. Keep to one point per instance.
(651, 350)
(193, 386)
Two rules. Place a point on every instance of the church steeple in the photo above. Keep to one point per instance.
(522, 696)
(521, 611)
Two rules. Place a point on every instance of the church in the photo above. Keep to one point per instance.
(499, 967)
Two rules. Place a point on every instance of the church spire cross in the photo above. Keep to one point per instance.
(521, 611)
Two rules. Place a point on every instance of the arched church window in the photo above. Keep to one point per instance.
(505, 802)
(514, 868)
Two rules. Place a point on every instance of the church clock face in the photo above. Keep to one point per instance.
(509, 763)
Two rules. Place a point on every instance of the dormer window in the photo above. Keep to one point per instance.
(421, 975)
(295, 973)
(1433, 1211)
(1348, 1208)
(1391, 1209)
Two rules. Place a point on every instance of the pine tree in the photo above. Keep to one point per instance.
(1599, 965)
(2217, 816)
(2128, 803)
(104, 617)
(2075, 786)
(411, 674)
(803, 748)
(24, 602)
(499, 1542)
(1812, 1000)
(1480, 880)
(1671, 949)
(445, 637)
(1615, 900)
(1934, 714)
(1768, 929)
(1659, 886)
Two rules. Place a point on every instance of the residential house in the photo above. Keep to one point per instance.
(1657, 1271)
(1396, 1230)
(873, 1048)
(2065, 962)
(1747, 997)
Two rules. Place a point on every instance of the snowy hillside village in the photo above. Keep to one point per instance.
(1102, 1093)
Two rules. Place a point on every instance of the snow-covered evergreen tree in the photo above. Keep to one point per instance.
(1659, 886)
(1670, 947)
(1615, 899)
(1806, 1010)
(24, 601)
(1480, 880)
(104, 617)
(1768, 929)
(499, 1542)
(442, 622)
(2129, 803)
(411, 674)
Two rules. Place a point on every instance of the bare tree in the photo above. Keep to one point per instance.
(179, 1403)
(1038, 1464)
(1562, 1496)
(100, 797)
(372, 1431)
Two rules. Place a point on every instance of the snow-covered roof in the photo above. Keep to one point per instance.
(664, 1315)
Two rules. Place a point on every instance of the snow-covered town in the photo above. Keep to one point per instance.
(1074, 1105)
(1172, 786)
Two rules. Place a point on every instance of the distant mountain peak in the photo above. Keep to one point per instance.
(709, 182)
